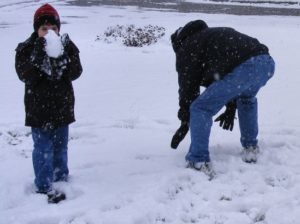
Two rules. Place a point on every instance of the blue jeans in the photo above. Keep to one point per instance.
(241, 84)
(50, 156)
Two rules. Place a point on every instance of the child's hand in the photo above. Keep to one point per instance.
(65, 40)
(60, 65)
(39, 57)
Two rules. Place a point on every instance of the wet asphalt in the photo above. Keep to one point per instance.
(186, 7)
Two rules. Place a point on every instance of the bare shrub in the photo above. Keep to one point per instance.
(132, 36)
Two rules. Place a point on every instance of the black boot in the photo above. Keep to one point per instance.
(55, 196)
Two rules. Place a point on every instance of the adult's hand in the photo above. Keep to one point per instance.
(179, 135)
(226, 119)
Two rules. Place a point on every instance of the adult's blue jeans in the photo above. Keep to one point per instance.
(241, 84)
(50, 156)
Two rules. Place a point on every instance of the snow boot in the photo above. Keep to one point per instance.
(54, 196)
(204, 167)
(250, 154)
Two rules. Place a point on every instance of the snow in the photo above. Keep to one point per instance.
(257, 1)
(53, 46)
(122, 168)
(292, 4)
(282, 2)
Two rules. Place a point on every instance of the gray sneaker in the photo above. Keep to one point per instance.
(250, 154)
(204, 167)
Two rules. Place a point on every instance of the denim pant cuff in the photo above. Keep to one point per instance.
(203, 158)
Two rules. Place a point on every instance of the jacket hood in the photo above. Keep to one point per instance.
(189, 29)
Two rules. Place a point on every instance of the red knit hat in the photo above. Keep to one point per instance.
(46, 14)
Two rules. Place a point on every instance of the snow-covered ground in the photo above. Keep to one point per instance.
(241, 1)
(252, 3)
(122, 168)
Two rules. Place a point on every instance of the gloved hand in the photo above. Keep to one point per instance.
(65, 40)
(226, 119)
(183, 115)
(60, 64)
(180, 134)
(39, 57)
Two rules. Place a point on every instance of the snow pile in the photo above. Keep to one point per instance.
(54, 47)
(132, 36)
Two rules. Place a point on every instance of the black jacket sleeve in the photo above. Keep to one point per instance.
(26, 71)
(188, 91)
(74, 68)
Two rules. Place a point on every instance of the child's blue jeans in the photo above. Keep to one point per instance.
(241, 84)
(50, 156)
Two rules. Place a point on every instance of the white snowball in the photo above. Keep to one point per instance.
(54, 46)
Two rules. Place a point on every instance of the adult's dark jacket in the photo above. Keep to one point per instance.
(204, 55)
(48, 102)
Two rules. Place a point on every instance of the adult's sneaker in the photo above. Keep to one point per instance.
(250, 154)
(205, 167)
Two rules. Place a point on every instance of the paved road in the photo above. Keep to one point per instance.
(177, 5)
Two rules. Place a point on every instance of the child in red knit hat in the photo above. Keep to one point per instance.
(49, 97)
